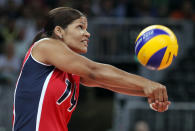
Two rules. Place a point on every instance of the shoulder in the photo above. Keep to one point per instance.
(42, 48)
(45, 42)
(48, 45)
(47, 50)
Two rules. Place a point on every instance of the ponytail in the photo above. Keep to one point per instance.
(39, 36)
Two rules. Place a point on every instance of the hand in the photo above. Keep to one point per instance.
(157, 97)
(160, 107)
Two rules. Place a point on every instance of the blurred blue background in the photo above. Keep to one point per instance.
(114, 26)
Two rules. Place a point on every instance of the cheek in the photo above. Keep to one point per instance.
(76, 35)
(73, 41)
(72, 38)
(81, 32)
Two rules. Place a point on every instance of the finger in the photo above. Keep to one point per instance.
(168, 102)
(153, 107)
(165, 106)
(161, 95)
(161, 107)
(156, 95)
(165, 94)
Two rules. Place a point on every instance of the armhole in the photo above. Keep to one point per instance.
(36, 59)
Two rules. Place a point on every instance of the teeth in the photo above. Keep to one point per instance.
(84, 42)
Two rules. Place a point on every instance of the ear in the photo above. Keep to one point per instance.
(58, 31)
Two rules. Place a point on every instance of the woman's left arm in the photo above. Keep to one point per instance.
(125, 91)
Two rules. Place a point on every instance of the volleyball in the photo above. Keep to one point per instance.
(156, 47)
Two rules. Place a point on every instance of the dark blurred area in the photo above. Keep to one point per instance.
(114, 25)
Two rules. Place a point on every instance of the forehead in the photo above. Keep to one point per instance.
(81, 20)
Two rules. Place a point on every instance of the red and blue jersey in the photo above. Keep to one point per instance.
(44, 98)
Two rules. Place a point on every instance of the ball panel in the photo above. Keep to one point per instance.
(174, 48)
(167, 59)
(172, 37)
(155, 60)
(152, 46)
(169, 56)
(143, 39)
(154, 27)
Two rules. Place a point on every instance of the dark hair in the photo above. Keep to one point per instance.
(61, 16)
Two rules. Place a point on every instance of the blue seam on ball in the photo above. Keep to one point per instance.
(156, 59)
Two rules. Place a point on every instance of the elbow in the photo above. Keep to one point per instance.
(97, 72)
(92, 76)
(94, 73)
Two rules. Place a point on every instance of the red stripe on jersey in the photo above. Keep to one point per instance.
(27, 55)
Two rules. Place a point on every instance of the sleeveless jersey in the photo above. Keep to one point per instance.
(44, 98)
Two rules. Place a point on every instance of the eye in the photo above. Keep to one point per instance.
(80, 26)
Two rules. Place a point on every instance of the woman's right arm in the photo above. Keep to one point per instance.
(57, 53)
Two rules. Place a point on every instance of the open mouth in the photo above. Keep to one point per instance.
(85, 42)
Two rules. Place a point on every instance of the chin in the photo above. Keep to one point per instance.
(83, 52)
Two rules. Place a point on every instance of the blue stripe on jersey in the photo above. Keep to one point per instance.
(28, 94)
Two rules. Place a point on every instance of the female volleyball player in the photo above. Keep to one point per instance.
(48, 86)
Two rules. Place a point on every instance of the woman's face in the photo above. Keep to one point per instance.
(76, 35)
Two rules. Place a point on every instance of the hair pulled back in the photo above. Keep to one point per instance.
(61, 16)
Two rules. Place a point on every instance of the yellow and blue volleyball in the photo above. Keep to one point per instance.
(156, 47)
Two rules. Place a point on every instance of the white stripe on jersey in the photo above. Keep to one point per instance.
(45, 85)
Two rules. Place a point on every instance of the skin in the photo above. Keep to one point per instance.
(63, 51)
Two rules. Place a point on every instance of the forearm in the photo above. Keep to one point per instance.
(126, 91)
(109, 76)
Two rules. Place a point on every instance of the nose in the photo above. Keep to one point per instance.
(87, 34)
